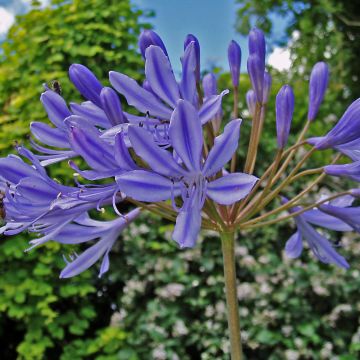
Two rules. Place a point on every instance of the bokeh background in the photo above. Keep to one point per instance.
(158, 302)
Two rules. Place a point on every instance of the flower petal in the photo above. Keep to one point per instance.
(96, 152)
(121, 153)
(224, 147)
(158, 159)
(320, 246)
(48, 135)
(188, 79)
(319, 218)
(146, 186)
(55, 107)
(112, 106)
(160, 76)
(231, 188)
(13, 169)
(138, 97)
(294, 246)
(185, 133)
(92, 113)
(86, 82)
(187, 227)
(211, 107)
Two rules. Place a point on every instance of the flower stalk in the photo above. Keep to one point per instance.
(228, 250)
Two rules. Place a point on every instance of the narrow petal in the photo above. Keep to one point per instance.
(211, 107)
(158, 159)
(188, 79)
(138, 97)
(320, 246)
(146, 186)
(55, 107)
(122, 156)
(88, 258)
(13, 169)
(351, 171)
(112, 107)
(186, 134)
(160, 76)
(231, 188)
(319, 218)
(294, 246)
(48, 135)
(86, 82)
(97, 153)
(224, 147)
(187, 227)
(92, 113)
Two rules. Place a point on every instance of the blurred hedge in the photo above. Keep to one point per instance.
(156, 302)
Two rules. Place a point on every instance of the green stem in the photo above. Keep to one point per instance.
(228, 250)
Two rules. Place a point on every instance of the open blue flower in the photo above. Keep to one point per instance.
(190, 177)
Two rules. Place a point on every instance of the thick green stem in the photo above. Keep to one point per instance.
(228, 249)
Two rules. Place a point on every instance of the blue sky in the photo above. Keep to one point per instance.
(212, 21)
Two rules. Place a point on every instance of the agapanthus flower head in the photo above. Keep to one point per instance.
(172, 149)
(234, 57)
(284, 114)
(319, 79)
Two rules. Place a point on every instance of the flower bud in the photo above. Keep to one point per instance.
(284, 113)
(150, 37)
(209, 85)
(257, 43)
(112, 106)
(234, 56)
(191, 38)
(256, 70)
(267, 87)
(86, 82)
(251, 102)
(319, 79)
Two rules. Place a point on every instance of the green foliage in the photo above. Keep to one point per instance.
(42, 316)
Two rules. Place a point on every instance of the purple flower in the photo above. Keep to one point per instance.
(319, 244)
(267, 87)
(193, 39)
(148, 38)
(234, 56)
(284, 114)
(345, 131)
(256, 71)
(349, 215)
(191, 178)
(209, 85)
(86, 82)
(251, 101)
(351, 171)
(84, 229)
(319, 79)
(162, 81)
(257, 44)
(112, 107)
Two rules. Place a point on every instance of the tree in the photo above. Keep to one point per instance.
(325, 30)
(41, 316)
